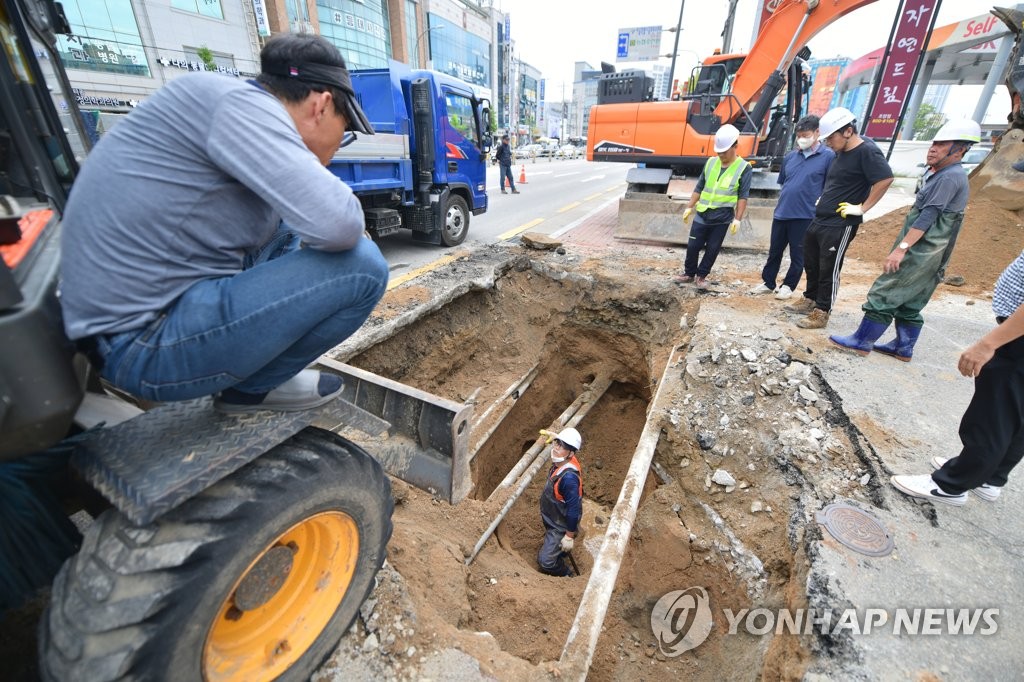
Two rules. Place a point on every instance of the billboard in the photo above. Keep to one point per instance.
(824, 92)
(899, 68)
(639, 44)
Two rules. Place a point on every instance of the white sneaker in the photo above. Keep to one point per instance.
(783, 293)
(989, 493)
(924, 487)
(760, 289)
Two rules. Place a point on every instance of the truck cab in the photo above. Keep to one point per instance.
(425, 168)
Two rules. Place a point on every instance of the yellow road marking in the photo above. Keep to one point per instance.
(569, 207)
(593, 196)
(521, 228)
(413, 274)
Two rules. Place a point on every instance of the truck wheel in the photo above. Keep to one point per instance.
(456, 221)
(256, 578)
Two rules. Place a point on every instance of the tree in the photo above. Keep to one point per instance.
(206, 54)
(928, 122)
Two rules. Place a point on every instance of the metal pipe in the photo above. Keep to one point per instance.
(537, 465)
(589, 395)
(515, 390)
(578, 652)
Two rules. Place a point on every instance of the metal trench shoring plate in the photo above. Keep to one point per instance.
(856, 529)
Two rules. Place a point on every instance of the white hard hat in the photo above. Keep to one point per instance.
(570, 437)
(959, 130)
(726, 137)
(833, 120)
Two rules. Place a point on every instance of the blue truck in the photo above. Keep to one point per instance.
(425, 168)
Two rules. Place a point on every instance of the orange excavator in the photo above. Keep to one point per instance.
(743, 90)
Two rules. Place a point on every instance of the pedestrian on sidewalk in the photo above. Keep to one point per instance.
(856, 180)
(504, 158)
(992, 427)
(917, 262)
(561, 503)
(720, 199)
(802, 178)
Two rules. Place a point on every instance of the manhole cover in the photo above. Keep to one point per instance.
(856, 529)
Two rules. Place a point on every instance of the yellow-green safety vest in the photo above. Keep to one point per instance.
(721, 189)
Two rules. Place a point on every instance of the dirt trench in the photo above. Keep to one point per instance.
(573, 327)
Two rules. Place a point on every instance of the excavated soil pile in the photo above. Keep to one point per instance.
(990, 238)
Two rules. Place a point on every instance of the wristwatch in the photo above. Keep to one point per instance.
(904, 246)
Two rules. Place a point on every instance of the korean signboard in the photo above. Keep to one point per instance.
(899, 67)
(641, 44)
(262, 27)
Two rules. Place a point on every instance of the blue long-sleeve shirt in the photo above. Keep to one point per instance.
(569, 486)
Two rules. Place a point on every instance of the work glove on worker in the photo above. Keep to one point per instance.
(734, 227)
(566, 543)
(846, 209)
(686, 215)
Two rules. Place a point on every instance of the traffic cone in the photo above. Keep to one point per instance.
(522, 174)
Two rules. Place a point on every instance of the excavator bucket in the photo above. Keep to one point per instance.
(418, 437)
(188, 446)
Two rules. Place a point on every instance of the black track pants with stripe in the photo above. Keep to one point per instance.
(824, 250)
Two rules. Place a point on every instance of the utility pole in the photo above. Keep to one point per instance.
(727, 31)
(675, 49)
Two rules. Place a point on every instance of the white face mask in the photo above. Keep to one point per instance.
(805, 143)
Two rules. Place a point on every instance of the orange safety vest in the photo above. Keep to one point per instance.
(557, 473)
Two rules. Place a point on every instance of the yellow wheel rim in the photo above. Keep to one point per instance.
(283, 600)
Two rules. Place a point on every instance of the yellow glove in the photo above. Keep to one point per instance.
(845, 209)
(735, 226)
(686, 215)
(549, 435)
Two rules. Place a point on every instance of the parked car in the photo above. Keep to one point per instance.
(972, 159)
(568, 151)
(527, 151)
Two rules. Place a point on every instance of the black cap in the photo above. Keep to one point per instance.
(332, 76)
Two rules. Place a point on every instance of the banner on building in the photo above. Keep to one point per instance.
(824, 93)
(639, 44)
(899, 68)
(260, 12)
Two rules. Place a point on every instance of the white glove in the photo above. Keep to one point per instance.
(846, 209)
(734, 227)
(686, 215)
(566, 543)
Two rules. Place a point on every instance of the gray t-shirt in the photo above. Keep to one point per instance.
(196, 178)
(944, 191)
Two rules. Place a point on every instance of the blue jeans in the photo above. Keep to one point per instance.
(506, 172)
(786, 232)
(251, 331)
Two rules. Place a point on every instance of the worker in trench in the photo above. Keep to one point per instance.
(561, 503)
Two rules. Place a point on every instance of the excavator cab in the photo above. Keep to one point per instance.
(41, 141)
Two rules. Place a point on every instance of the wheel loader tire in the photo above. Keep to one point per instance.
(456, 221)
(256, 578)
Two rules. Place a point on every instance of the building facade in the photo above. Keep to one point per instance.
(121, 51)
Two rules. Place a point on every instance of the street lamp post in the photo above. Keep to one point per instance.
(675, 49)
(418, 37)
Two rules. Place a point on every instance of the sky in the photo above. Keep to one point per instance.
(552, 35)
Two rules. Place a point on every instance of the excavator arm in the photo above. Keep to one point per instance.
(789, 28)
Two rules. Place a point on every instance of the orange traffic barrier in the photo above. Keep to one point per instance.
(522, 174)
